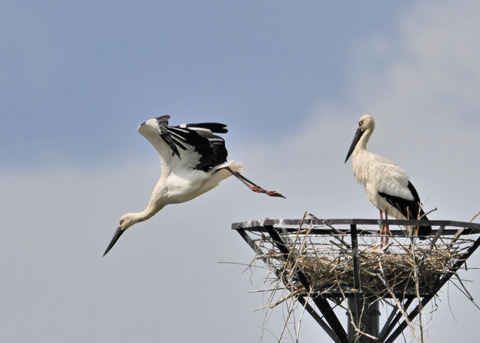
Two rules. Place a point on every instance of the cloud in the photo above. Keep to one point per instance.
(162, 276)
(431, 62)
(420, 84)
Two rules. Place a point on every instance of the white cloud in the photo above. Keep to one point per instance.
(430, 69)
(420, 85)
(160, 278)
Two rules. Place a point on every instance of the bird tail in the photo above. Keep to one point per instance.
(233, 165)
(423, 230)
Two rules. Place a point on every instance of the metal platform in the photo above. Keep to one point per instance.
(350, 244)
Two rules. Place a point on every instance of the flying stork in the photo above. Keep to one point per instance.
(386, 184)
(193, 161)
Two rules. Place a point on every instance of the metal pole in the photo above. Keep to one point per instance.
(366, 319)
(364, 313)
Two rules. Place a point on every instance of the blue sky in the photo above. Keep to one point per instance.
(289, 79)
(81, 75)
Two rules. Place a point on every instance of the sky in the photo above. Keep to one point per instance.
(290, 79)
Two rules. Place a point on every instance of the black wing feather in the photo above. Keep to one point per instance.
(210, 147)
(409, 208)
(165, 134)
(214, 127)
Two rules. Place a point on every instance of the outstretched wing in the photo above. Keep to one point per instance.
(187, 146)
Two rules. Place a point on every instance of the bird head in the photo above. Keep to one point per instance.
(126, 221)
(366, 125)
(366, 122)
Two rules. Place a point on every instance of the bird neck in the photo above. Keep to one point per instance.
(362, 143)
(361, 156)
(147, 213)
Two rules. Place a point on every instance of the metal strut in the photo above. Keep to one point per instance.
(319, 300)
(362, 305)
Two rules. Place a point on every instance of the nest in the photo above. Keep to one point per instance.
(381, 271)
(309, 263)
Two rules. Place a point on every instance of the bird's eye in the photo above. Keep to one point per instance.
(120, 222)
(360, 123)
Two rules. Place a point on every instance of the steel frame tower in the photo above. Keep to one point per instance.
(351, 237)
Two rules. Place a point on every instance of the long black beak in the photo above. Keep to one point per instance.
(356, 138)
(114, 240)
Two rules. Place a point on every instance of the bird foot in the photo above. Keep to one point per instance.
(259, 189)
(275, 194)
(384, 232)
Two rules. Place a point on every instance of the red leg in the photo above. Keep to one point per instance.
(384, 229)
(387, 228)
(381, 226)
(381, 230)
(254, 187)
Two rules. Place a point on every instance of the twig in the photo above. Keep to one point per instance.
(392, 274)
(464, 290)
(475, 216)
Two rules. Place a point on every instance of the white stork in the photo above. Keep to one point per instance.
(193, 161)
(386, 184)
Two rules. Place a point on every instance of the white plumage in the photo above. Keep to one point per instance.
(386, 184)
(193, 161)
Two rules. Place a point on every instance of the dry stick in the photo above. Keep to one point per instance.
(437, 236)
(465, 291)
(272, 295)
(460, 231)
(335, 271)
(399, 305)
(417, 290)
(352, 321)
(338, 233)
(455, 238)
(420, 307)
(449, 304)
(290, 310)
(357, 329)
(290, 313)
(293, 267)
(270, 306)
(268, 313)
(475, 216)
(301, 249)
(297, 331)
(431, 211)
(339, 246)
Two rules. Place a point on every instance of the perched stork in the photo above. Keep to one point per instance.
(193, 161)
(387, 185)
